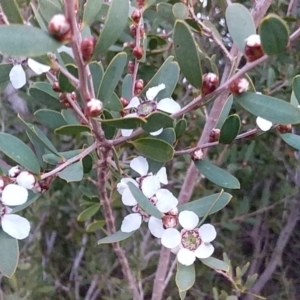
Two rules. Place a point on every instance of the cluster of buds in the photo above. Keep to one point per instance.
(170, 219)
(210, 82)
(197, 154)
(214, 135)
(139, 86)
(133, 28)
(94, 108)
(64, 99)
(239, 86)
(284, 128)
(22, 178)
(87, 48)
(60, 28)
(253, 48)
(137, 31)
(138, 52)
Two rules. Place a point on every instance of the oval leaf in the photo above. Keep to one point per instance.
(269, 108)
(186, 53)
(91, 9)
(116, 237)
(180, 11)
(72, 173)
(155, 149)
(124, 123)
(168, 135)
(96, 225)
(240, 24)
(19, 152)
(88, 213)
(230, 129)
(215, 263)
(296, 88)
(185, 277)
(274, 34)
(144, 202)
(12, 11)
(9, 254)
(208, 204)
(24, 39)
(64, 83)
(180, 128)
(156, 121)
(291, 139)
(217, 175)
(72, 129)
(50, 118)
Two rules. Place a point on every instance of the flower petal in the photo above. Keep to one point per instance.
(156, 227)
(134, 103)
(188, 219)
(122, 185)
(162, 175)
(165, 200)
(17, 76)
(26, 180)
(153, 92)
(150, 185)
(168, 105)
(131, 222)
(13, 195)
(127, 198)
(205, 250)
(157, 132)
(16, 226)
(140, 165)
(66, 49)
(186, 257)
(171, 238)
(263, 124)
(126, 132)
(37, 67)
(207, 233)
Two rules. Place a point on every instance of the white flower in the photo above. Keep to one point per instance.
(148, 106)
(14, 225)
(14, 172)
(191, 242)
(17, 74)
(26, 180)
(263, 124)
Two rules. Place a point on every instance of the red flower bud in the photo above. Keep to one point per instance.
(284, 128)
(136, 16)
(239, 86)
(138, 52)
(139, 85)
(197, 154)
(124, 101)
(87, 47)
(210, 82)
(60, 28)
(214, 135)
(140, 3)
(93, 108)
(130, 67)
(253, 48)
(169, 221)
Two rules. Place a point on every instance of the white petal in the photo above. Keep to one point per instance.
(176, 249)
(188, 219)
(122, 185)
(37, 67)
(16, 226)
(17, 76)
(26, 180)
(140, 165)
(156, 227)
(168, 105)
(186, 257)
(152, 92)
(157, 132)
(150, 185)
(263, 124)
(162, 175)
(127, 198)
(205, 250)
(13, 195)
(134, 103)
(66, 49)
(165, 200)
(131, 222)
(171, 238)
(126, 132)
(207, 233)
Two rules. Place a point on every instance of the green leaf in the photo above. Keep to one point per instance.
(269, 108)
(155, 149)
(168, 135)
(4, 72)
(201, 206)
(124, 123)
(215, 263)
(96, 225)
(88, 213)
(185, 277)
(72, 173)
(156, 121)
(32, 197)
(24, 39)
(12, 11)
(50, 118)
(72, 129)
(168, 74)
(165, 11)
(111, 31)
(109, 131)
(230, 129)
(180, 11)
(225, 111)
(9, 254)
(64, 83)
(274, 34)
(52, 159)
(48, 9)
(217, 175)
(143, 201)
(91, 9)
(250, 281)
(111, 77)
(19, 152)
(291, 139)
(240, 24)
(97, 75)
(69, 116)
(116, 237)
(296, 88)
(180, 128)
(186, 53)
(127, 87)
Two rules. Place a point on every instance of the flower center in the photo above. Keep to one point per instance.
(146, 108)
(190, 239)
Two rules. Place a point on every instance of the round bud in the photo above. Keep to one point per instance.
(60, 28)
(55, 87)
(210, 82)
(173, 211)
(138, 52)
(14, 172)
(93, 108)
(253, 48)
(136, 16)
(130, 67)
(197, 154)
(139, 85)
(214, 135)
(284, 128)
(169, 221)
(87, 47)
(140, 3)
(26, 180)
(124, 101)
(239, 86)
